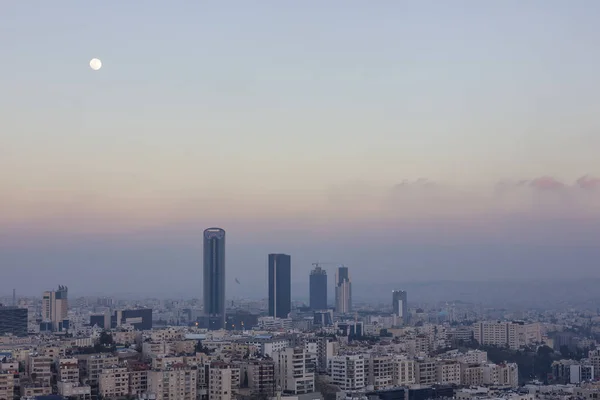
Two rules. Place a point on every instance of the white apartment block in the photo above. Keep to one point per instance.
(380, 371)
(471, 374)
(268, 347)
(448, 372)
(348, 372)
(40, 368)
(295, 370)
(425, 371)
(513, 335)
(68, 370)
(404, 372)
(113, 382)
(219, 381)
(74, 389)
(7, 384)
(474, 357)
(506, 375)
(177, 382)
(91, 365)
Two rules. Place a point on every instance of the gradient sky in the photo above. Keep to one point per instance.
(417, 139)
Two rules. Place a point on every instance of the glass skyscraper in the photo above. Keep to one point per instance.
(318, 289)
(214, 278)
(280, 285)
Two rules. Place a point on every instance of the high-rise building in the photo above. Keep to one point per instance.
(318, 289)
(13, 320)
(55, 309)
(399, 302)
(214, 277)
(343, 291)
(280, 285)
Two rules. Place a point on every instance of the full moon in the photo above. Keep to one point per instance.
(95, 64)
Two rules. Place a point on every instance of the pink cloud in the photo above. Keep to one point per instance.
(546, 183)
(588, 182)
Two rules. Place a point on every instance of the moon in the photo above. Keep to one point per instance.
(95, 64)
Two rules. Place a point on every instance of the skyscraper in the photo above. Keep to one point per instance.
(214, 278)
(55, 309)
(280, 285)
(318, 289)
(399, 302)
(343, 291)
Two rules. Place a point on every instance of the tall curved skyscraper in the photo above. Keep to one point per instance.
(214, 277)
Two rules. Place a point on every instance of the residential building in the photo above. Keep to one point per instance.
(175, 382)
(295, 370)
(220, 381)
(448, 372)
(348, 372)
(113, 382)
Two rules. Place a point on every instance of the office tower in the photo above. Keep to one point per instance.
(214, 277)
(55, 309)
(280, 285)
(343, 291)
(13, 320)
(318, 289)
(399, 302)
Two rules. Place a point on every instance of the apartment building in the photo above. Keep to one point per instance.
(7, 385)
(261, 377)
(403, 372)
(425, 371)
(91, 365)
(68, 370)
(471, 374)
(220, 381)
(113, 382)
(40, 369)
(295, 370)
(176, 382)
(138, 379)
(379, 371)
(501, 375)
(348, 372)
(511, 334)
(448, 372)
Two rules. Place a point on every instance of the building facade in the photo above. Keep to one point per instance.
(399, 302)
(55, 308)
(214, 277)
(13, 321)
(318, 289)
(343, 291)
(280, 285)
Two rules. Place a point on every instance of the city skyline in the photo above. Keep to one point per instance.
(415, 141)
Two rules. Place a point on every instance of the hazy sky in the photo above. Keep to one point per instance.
(410, 140)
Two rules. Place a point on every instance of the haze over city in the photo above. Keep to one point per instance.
(411, 141)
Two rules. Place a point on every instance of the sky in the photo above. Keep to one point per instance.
(409, 140)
